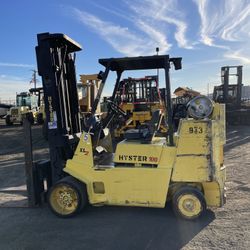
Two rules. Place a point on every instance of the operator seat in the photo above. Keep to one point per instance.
(147, 131)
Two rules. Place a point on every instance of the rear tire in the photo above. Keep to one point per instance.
(40, 118)
(8, 120)
(67, 197)
(188, 203)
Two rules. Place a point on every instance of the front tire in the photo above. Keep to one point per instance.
(8, 120)
(31, 118)
(67, 197)
(40, 118)
(188, 203)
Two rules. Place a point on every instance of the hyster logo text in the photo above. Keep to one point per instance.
(132, 158)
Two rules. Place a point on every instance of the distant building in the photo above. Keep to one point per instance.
(8, 102)
(185, 91)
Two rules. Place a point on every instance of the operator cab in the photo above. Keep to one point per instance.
(23, 99)
(140, 138)
(146, 132)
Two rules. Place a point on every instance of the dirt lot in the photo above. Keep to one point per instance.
(121, 227)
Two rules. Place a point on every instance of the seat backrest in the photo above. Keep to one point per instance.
(153, 124)
(147, 131)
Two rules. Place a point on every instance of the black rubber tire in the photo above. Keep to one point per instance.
(81, 191)
(8, 121)
(40, 119)
(45, 131)
(31, 118)
(188, 190)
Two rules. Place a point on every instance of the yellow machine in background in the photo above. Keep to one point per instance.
(30, 104)
(39, 110)
(25, 105)
(139, 98)
(87, 92)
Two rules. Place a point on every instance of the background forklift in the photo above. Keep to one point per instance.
(185, 167)
(88, 89)
(138, 98)
(39, 114)
(237, 110)
(26, 104)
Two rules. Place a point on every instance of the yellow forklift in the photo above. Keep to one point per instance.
(26, 104)
(139, 98)
(185, 167)
(88, 89)
(39, 113)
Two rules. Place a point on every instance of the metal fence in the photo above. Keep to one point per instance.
(8, 102)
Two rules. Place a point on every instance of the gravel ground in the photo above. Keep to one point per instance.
(121, 227)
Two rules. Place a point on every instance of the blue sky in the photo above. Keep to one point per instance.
(208, 34)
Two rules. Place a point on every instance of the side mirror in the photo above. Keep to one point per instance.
(177, 62)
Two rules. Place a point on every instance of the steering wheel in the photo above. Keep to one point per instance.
(115, 108)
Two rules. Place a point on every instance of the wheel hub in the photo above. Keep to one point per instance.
(65, 198)
(189, 205)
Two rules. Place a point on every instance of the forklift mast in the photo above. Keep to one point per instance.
(56, 66)
(229, 93)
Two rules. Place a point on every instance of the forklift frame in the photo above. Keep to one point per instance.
(144, 171)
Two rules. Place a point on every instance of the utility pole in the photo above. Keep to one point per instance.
(34, 79)
(157, 53)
